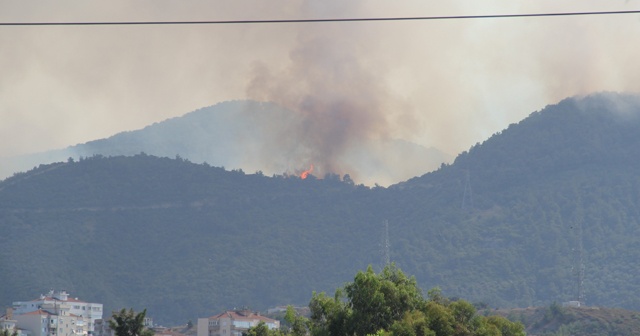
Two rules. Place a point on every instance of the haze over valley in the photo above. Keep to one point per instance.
(253, 137)
(156, 161)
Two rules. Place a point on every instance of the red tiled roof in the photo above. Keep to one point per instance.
(39, 312)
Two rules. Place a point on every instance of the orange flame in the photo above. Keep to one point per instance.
(306, 173)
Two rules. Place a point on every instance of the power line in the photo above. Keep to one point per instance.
(220, 22)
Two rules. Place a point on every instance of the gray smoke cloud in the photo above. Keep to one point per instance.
(446, 84)
(342, 104)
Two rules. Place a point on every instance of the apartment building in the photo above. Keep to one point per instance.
(45, 323)
(59, 303)
(8, 324)
(233, 323)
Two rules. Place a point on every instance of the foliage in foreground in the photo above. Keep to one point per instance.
(128, 323)
(391, 304)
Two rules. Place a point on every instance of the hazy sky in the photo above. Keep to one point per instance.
(447, 84)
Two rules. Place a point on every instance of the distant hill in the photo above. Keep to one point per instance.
(243, 135)
(509, 223)
(585, 321)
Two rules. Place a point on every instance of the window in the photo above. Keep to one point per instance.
(242, 324)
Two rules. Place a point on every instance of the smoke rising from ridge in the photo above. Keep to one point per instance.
(446, 84)
(340, 103)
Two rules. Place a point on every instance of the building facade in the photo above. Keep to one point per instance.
(58, 303)
(233, 323)
(101, 328)
(7, 323)
(45, 323)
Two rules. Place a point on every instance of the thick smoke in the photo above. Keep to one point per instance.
(446, 84)
(341, 105)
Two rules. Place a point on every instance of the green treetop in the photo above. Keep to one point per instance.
(391, 304)
(128, 323)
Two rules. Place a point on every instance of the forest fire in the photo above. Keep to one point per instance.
(306, 173)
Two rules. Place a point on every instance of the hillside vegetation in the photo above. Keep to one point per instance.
(555, 320)
(507, 224)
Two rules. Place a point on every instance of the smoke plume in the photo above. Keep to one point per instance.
(340, 103)
(445, 84)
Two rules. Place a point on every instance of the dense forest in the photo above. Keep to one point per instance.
(544, 211)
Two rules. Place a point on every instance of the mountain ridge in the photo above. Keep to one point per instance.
(244, 135)
(149, 232)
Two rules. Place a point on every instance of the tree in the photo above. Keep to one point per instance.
(370, 303)
(128, 323)
(378, 300)
(297, 324)
(7, 332)
(261, 330)
(391, 304)
(414, 323)
(329, 316)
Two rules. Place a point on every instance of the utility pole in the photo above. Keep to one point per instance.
(386, 258)
(581, 297)
(467, 196)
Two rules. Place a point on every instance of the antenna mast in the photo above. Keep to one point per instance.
(386, 258)
(467, 196)
(580, 265)
(577, 264)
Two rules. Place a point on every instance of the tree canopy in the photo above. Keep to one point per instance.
(391, 304)
(129, 323)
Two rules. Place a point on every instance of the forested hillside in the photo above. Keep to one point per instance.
(563, 178)
(509, 223)
(179, 238)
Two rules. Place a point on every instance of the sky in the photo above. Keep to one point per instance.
(447, 84)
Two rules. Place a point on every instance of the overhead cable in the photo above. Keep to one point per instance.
(366, 19)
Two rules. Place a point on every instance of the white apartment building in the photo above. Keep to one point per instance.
(58, 303)
(233, 323)
(45, 323)
(7, 323)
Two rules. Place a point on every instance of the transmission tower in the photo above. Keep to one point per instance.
(385, 245)
(580, 262)
(577, 263)
(467, 196)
